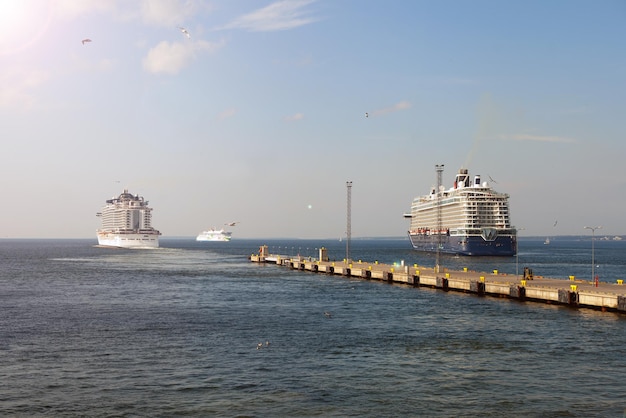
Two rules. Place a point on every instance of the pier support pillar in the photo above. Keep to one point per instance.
(413, 280)
(442, 283)
(568, 298)
(621, 303)
(477, 287)
(517, 292)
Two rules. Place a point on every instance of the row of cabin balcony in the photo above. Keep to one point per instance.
(470, 218)
(446, 205)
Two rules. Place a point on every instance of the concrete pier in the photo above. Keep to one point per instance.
(574, 292)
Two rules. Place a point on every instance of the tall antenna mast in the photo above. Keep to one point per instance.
(439, 170)
(348, 220)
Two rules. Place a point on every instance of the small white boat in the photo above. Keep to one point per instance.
(214, 235)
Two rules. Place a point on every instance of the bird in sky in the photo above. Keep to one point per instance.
(366, 115)
(185, 32)
(86, 40)
(231, 223)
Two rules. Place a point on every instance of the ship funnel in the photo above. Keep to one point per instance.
(462, 178)
(477, 180)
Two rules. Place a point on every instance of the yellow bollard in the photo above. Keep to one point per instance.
(392, 269)
(415, 265)
(370, 267)
(333, 264)
(482, 279)
(417, 272)
(573, 287)
(350, 265)
(447, 275)
(620, 281)
(465, 269)
(572, 278)
(495, 272)
(523, 282)
(376, 261)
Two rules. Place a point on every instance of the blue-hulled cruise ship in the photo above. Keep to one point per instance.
(470, 218)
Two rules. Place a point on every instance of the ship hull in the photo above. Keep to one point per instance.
(503, 245)
(131, 240)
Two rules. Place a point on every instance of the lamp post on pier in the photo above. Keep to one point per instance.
(348, 220)
(439, 170)
(517, 251)
(593, 238)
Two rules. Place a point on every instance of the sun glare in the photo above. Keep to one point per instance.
(22, 23)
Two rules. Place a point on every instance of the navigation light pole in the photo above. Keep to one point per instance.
(348, 220)
(593, 238)
(439, 170)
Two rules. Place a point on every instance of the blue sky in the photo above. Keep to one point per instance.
(259, 115)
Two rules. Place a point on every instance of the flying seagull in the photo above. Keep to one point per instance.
(231, 223)
(366, 115)
(86, 40)
(184, 31)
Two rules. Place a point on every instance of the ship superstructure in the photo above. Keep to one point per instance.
(214, 235)
(127, 223)
(470, 218)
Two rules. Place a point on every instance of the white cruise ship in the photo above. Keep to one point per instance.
(470, 218)
(126, 223)
(214, 235)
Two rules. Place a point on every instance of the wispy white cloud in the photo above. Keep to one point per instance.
(297, 116)
(576, 110)
(102, 65)
(172, 57)
(228, 113)
(537, 138)
(73, 9)
(395, 108)
(456, 80)
(303, 61)
(168, 12)
(280, 15)
(152, 12)
(17, 85)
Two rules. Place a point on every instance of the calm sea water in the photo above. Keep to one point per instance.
(88, 331)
